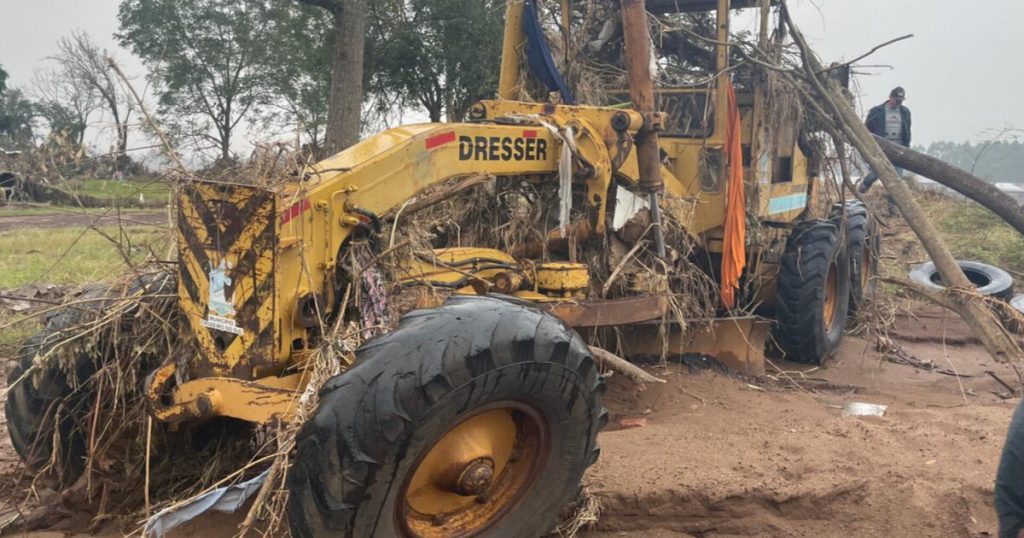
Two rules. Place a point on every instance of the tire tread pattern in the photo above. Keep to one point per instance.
(368, 415)
(800, 325)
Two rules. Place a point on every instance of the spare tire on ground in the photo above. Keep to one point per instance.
(1018, 303)
(990, 280)
(1016, 322)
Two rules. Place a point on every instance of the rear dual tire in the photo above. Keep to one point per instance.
(863, 241)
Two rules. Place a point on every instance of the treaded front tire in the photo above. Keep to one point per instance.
(813, 293)
(411, 390)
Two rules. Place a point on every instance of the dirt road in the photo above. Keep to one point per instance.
(725, 456)
(73, 218)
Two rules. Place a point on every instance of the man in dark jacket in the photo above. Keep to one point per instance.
(889, 120)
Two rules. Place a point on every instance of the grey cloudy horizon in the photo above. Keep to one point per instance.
(958, 69)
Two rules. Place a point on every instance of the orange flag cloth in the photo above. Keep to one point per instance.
(734, 251)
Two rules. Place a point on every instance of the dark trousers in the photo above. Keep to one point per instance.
(1010, 479)
(872, 178)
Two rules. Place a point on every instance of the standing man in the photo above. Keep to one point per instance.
(889, 120)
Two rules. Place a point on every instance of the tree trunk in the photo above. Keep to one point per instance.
(962, 293)
(959, 180)
(641, 91)
(343, 117)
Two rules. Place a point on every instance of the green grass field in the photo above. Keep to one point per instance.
(152, 191)
(68, 256)
(72, 255)
(975, 233)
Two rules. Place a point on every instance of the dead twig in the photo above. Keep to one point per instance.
(619, 365)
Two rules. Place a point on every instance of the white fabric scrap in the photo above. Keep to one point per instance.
(227, 499)
(565, 181)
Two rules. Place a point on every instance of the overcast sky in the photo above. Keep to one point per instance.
(961, 70)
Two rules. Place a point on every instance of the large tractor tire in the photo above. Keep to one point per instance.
(813, 293)
(477, 418)
(48, 393)
(863, 241)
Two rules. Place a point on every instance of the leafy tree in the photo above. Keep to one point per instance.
(441, 55)
(300, 73)
(86, 64)
(17, 119)
(3, 79)
(998, 159)
(207, 59)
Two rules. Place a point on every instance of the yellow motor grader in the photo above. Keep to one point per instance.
(479, 416)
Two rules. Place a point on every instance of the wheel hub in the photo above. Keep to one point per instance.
(473, 474)
(476, 477)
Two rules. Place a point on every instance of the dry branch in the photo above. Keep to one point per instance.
(619, 365)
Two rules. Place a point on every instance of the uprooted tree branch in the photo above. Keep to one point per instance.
(962, 295)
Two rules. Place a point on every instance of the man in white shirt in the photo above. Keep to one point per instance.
(889, 120)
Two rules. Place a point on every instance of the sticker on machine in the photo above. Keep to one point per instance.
(221, 311)
(227, 325)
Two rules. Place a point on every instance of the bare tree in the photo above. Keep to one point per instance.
(85, 61)
(64, 101)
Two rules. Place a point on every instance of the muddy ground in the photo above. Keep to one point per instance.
(721, 455)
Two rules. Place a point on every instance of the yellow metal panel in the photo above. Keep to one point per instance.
(513, 44)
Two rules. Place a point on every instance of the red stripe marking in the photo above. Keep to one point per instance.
(440, 140)
(294, 211)
(530, 134)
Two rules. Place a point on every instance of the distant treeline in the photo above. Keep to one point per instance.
(995, 161)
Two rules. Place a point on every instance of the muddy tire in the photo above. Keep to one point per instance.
(475, 418)
(991, 281)
(47, 402)
(38, 410)
(813, 293)
(863, 242)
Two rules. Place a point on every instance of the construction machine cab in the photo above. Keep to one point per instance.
(778, 175)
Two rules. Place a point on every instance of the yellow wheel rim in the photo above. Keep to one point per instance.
(831, 295)
(478, 470)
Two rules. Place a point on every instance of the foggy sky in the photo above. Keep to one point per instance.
(961, 70)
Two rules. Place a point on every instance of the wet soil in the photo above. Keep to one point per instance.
(720, 455)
